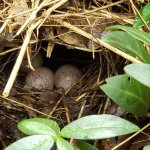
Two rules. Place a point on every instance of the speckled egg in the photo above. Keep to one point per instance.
(42, 78)
(66, 76)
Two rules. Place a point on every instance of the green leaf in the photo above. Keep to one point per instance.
(38, 126)
(139, 35)
(147, 147)
(34, 142)
(128, 44)
(98, 127)
(75, 148)
(140, 72)
(128, 94)
(82, 145)
(63, 144)
(145, 13)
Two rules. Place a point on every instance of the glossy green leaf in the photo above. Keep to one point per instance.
(63, 144)
(139, 35)
(128, 94)
(82, 145)
(147, 147)
(140, 72)
(75, 148)
(34, 142)
(145, 13)
(38, 126)
(98, 127)
(128, 44)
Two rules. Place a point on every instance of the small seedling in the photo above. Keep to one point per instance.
(44, 133)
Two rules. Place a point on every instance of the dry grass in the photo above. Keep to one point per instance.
(42, 19)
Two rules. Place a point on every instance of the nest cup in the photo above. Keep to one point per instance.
(72, 98)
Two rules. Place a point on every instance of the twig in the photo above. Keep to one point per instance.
(25, 106)
(48, 12)
(10, 50)
(103, 7)
(132, 136)
(20, 57)
(17, 65)
(51, 112)
(29, 60)
(5, 24)
(136, 10)
(82, 109)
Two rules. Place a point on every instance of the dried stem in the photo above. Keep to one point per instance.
(19, 60)
(99, 41)
(132, 136)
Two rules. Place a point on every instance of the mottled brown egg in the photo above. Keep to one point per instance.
(36, 61)
(42, 78)
(66, 76)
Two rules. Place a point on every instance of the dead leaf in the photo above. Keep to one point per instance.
(71, 38)
(17, 7)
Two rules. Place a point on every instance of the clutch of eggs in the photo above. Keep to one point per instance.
(44, 78)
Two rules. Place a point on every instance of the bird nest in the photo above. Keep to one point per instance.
(77, 26)
(82, 98)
